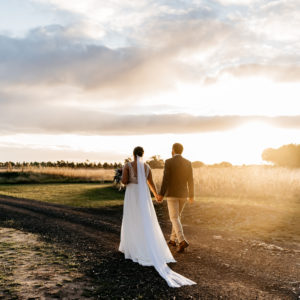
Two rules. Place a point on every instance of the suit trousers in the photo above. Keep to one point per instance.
(175, 207)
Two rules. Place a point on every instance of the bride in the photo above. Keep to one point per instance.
(142, 240)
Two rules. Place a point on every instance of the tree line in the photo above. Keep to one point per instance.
(285, 156)
(61, 164)
(155, 162)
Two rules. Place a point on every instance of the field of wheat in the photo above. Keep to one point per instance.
(54, 174)
(245, 181)
(260, 201)
(91, 174)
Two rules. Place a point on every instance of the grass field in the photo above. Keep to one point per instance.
(55, 175)
(244, 182)
(267, 219)
(80, 195)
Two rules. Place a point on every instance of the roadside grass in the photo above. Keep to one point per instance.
(270, 219)
(78, 195)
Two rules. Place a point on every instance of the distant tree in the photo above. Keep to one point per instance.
(156, 162)
(223, 164)
(61, 164)
(197, 164)
(117, 165)
(49, 164)
(286, 155)
(72, 165)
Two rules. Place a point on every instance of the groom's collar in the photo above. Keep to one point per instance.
(176, 154)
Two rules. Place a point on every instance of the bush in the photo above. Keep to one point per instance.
(285, 156)
(156, 162)
(197, 164)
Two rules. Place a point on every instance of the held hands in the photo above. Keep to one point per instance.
(159, 198)
(191, 200)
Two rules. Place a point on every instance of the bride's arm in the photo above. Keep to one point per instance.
(151, 184)
(125, 175)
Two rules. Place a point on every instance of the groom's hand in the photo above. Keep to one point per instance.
(191, 200)
(159, 198)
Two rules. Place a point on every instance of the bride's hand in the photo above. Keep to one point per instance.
(159, 198)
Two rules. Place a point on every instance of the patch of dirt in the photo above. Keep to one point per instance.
(224, 265)
(31, 268)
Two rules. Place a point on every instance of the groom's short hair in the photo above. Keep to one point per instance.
(178, 148)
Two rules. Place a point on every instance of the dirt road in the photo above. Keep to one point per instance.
(225, 266)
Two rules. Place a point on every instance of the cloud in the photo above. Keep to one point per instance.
(49, 56)
(286, 122)
(151, 48)
(173, 43)
(277, 21)
(238, 2)
(277, 72)
(49, 119)
(55, 56)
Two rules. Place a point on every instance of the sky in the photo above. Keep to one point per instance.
(93, 79)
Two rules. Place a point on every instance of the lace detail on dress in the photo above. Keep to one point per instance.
(132, 176)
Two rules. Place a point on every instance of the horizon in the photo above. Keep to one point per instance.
(221, 77)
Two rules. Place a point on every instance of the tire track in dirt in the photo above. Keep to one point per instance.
(61, 212)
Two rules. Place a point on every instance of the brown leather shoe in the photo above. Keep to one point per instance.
(182, 246)
(172, 243)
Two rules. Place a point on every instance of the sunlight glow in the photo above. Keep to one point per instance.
(243, 145)
(231, 96)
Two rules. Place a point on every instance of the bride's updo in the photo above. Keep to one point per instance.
(138, 151)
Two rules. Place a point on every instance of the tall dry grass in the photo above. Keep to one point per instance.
(246, 181)
(92, 174)
(84, 174)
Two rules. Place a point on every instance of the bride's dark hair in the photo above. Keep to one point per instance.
(138, 151)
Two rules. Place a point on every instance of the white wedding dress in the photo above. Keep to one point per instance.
(142, 240)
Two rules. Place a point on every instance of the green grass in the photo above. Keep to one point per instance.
(269, 218)
(56, 175)
(80, 195)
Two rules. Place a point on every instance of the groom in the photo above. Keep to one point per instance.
(177, 185)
